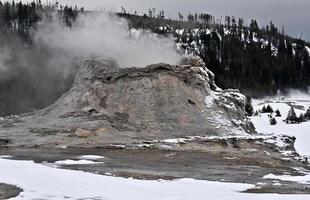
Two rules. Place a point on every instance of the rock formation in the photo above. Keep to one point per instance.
(112, 105)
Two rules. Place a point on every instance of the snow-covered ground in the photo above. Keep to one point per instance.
(43, 182)
(300, 131)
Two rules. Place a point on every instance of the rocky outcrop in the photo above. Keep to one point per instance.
(112, 105)
(9, 191)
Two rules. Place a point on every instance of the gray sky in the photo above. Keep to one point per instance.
(293, 14)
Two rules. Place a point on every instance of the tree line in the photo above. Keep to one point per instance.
(20, 18)
(257, 60)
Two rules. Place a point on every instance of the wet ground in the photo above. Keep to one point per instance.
(235, 164)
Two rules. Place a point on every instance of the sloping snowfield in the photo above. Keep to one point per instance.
(301, 103)
(300, 131)
(42, 182)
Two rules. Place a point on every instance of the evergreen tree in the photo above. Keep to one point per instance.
(255, 113)
(273, 121)
(301, 118)
(269, 109)
(264, 109)
(278, 114)
(291, 116)
(307, 114)
(248, 106)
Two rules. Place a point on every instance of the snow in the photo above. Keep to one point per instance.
(5, 156)
(76, 162)
(308, 49)
(299, 179)
(91, 157)
(42, 182)
(300, 131)
(179, 31)
(175, 140)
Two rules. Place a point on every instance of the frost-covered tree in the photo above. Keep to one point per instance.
(291, 116)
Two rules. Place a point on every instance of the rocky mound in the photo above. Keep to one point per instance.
(112, 105)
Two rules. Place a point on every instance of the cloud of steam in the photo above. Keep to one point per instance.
(106, 35)
(35, 75)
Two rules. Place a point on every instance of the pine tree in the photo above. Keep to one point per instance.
(307, 114)
(248, 106)
(269, 109)
(263, 109)
(278, 114)
(273, 121)
(301, 118)
(255, 113)
(291, 116)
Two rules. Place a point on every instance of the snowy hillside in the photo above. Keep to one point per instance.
(301, 131)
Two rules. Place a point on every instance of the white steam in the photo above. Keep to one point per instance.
(106, 35)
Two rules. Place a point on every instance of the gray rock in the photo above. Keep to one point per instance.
(128, 105)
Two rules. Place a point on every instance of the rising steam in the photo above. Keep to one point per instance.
(106, 35)
(34, 76)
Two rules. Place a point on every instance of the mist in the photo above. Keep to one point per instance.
(32, 76)
(105, 35)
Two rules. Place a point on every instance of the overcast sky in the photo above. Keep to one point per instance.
(293, 14)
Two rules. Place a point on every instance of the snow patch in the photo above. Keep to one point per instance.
(76, 162)
(176, 140)
(91, 157)
(6, 156)
(308, 49)
(299, 179)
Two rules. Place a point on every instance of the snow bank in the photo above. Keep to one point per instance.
(299, 179)
(43, 182)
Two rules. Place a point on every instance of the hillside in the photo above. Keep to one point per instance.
(257, 60)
